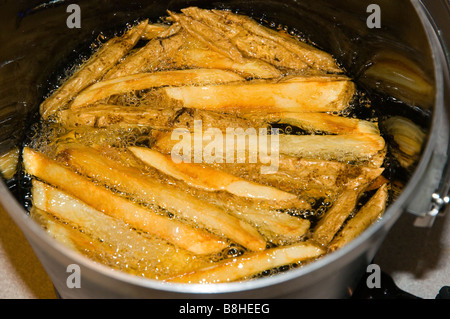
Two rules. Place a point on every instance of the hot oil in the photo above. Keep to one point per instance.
(47, 137)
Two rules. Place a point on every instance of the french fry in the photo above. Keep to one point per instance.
(156, 55)
(156, 256)
(312, 56)
(366, 216)
(278, 227)
(108, 55)
(318, 122)
(93, 248)
(272, 223)
(151, 191)
(209, 37)
(205, 58)
(209, 179)
(256, 40)
(335, 217)
(264, 97)
(407, 137)
(143, 81)
(104, 116)
(154, 30)
(245, 266)
(312, 176)
(342, 148)
(359, 148)
(116, 206)
(8, 163)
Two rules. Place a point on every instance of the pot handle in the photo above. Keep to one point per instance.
(432, 198)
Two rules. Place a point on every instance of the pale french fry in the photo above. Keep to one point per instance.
(56, 229)
(205, 58)
(157, 257)
(90, 162)
(343, 148)
(366, 216)
(143, 81)
(264, 97)
(100, 63)
(103, 200)
(200, 176)
(318, 122)
(92, 248)
(397, 75)
(244, 267)
(407, 137)
(217, 41)
(312, 56)
(358, 148)
(104, 116)
(334, 218)
(155, 55)
(8, 163)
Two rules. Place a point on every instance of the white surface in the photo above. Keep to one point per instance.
(418, 259)
(21, 274)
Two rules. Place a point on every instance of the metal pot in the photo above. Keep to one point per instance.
(37, 41)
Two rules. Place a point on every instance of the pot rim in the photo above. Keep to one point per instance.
(34, 232)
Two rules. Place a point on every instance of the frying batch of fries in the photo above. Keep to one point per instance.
(107, 181)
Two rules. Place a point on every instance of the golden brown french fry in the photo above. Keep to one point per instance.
(145, 188)
(217, 41)
(203, 177)
(108, 55)
(245, 42)
(308, 175)
(152, 256)
(366, 216)
(334, 218)
(312, 56)
(342, 148)
(318, 122)
(262, 208)
(103, 200)
(255, 40)
(248, 265)
(156, 55)
(153, 30)
(144, 81)
(105, 115)
(264, 97)
(278, 227)
(205, 58)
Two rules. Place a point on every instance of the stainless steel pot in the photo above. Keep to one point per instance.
(37, 42)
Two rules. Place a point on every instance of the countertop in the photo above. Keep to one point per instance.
(418, 259)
